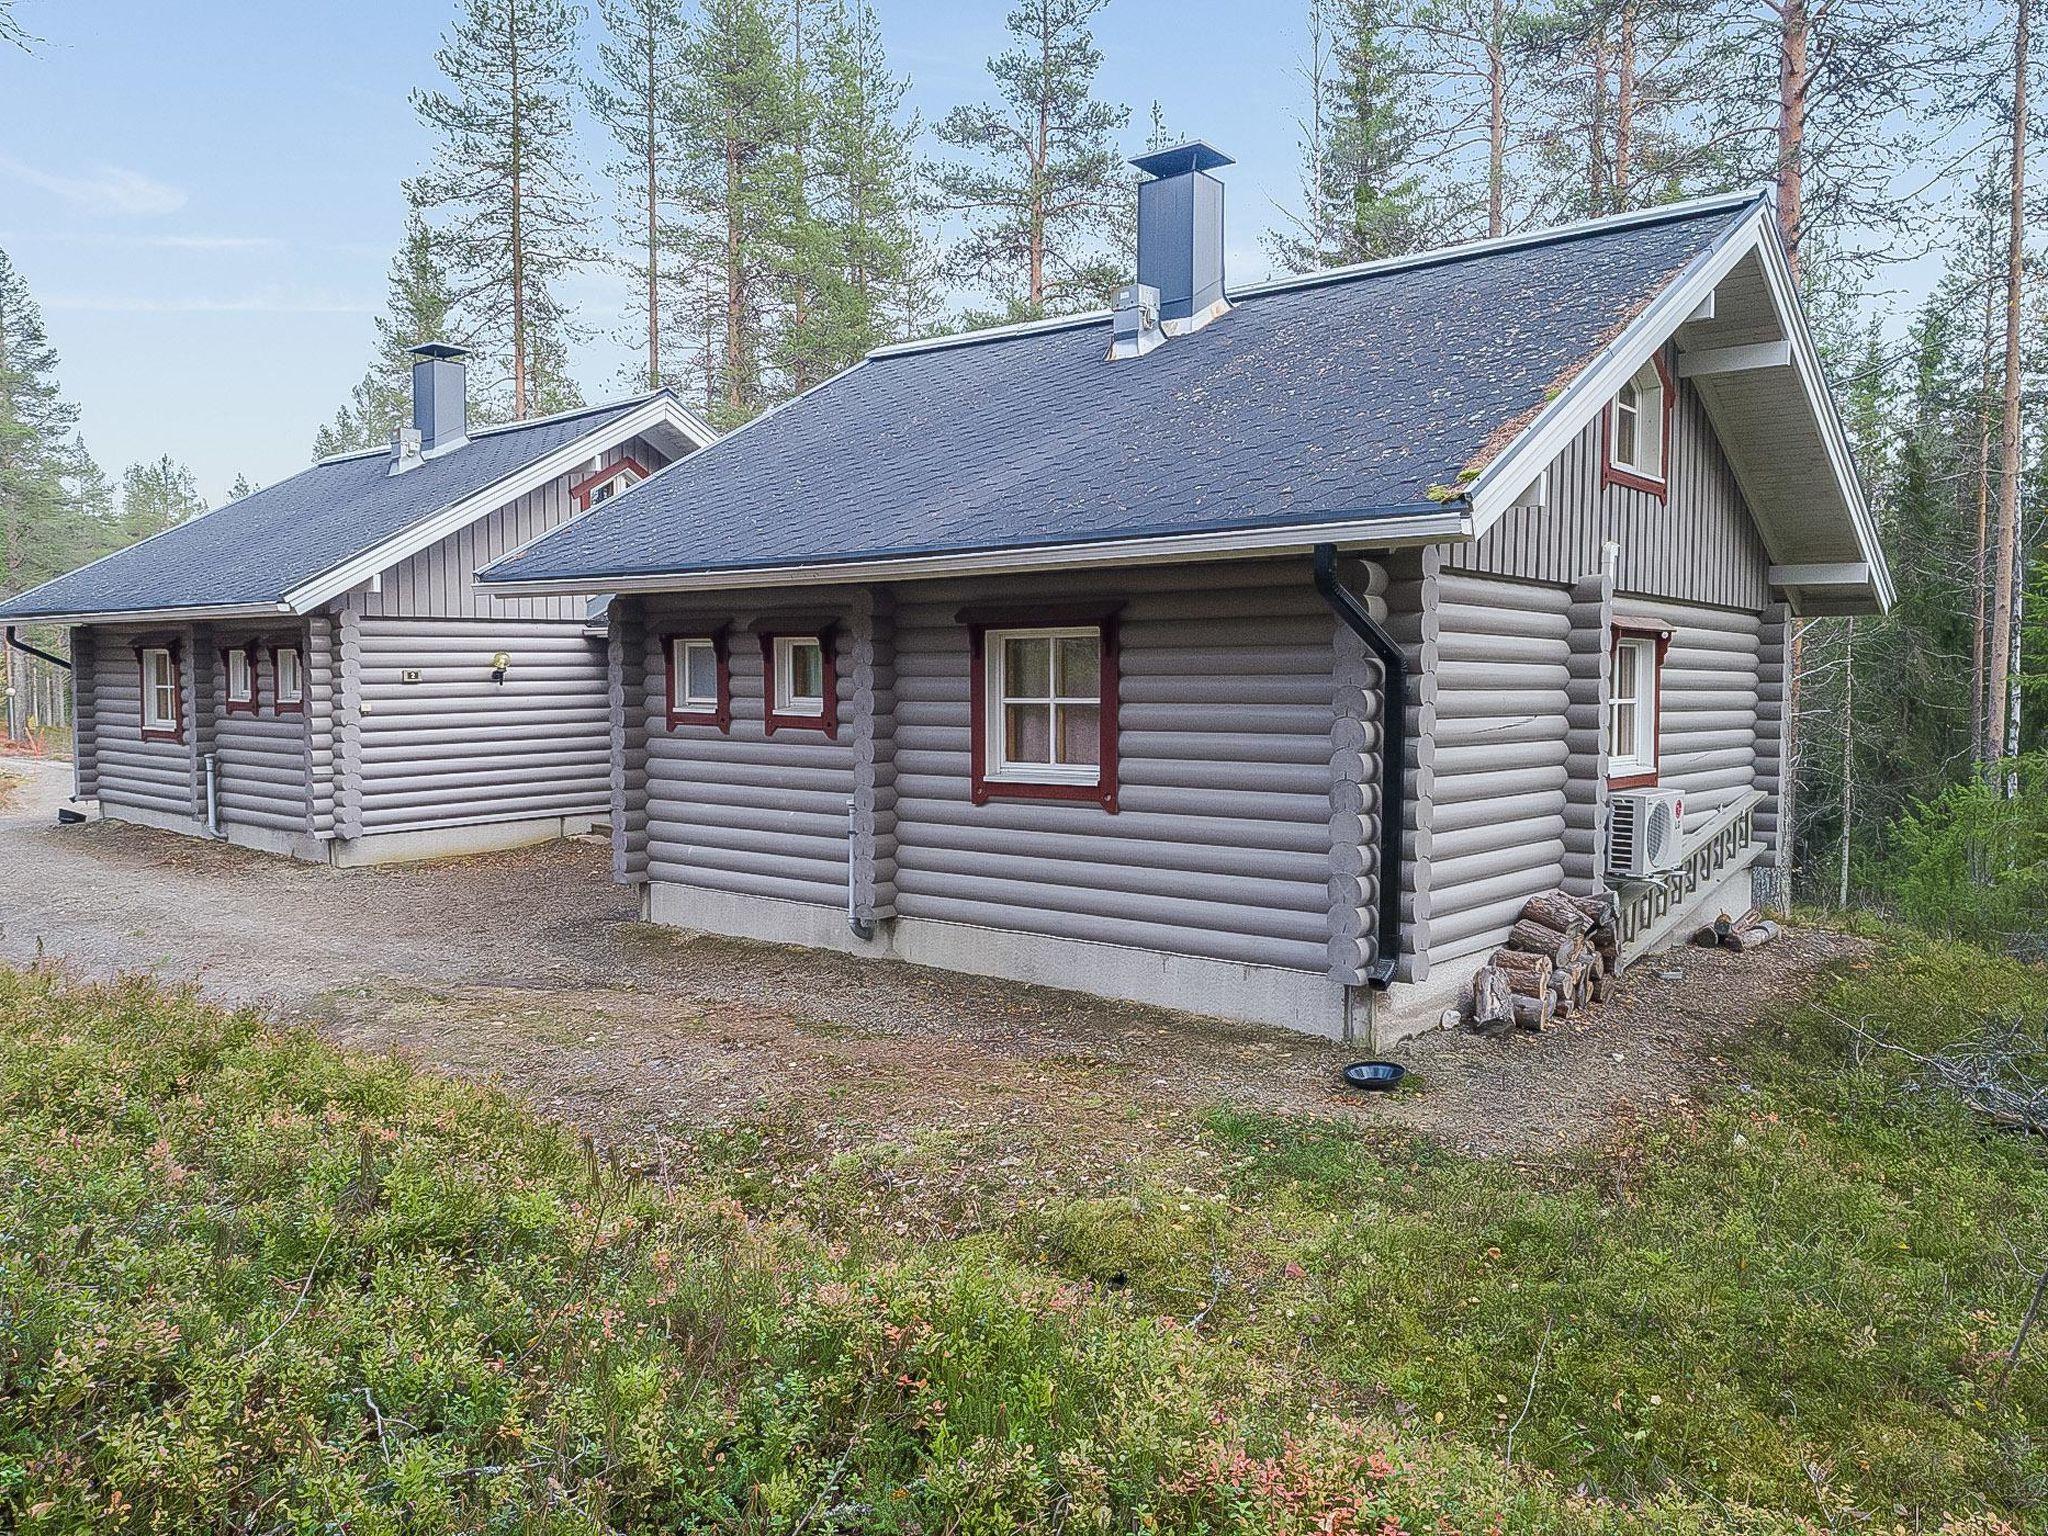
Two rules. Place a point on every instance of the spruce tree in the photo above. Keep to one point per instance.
(158, 495)
(511, 212)
(637, 98)
(44, 527)
(418, 307)
(1041, 187)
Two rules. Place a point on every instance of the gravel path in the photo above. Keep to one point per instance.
(529, 968)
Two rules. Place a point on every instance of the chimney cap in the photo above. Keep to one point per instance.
(1182, 159)
(439, 351)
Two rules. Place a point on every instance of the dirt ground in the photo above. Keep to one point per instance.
(529, 969)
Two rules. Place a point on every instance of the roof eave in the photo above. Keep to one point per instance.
(1393, 528)
(165, 615)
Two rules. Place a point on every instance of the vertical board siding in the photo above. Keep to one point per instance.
(1708, 691)
(1498, 802)
(1221, 846)
(147, 775)
(439, 582)
(1699, 544)
(742, 810)
(455, 748)
(261, 758)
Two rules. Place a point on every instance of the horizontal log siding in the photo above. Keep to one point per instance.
(85, 767)
(1221, 846)
(456, 748)
(1498, 802)
(1699, 544)
(322, 668)
(439, 582)
(1708, 691)
(1772, 636)
(261, 757)
(744, 811)
(149, 775)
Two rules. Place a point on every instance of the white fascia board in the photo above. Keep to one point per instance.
(156, 615)
(1742, 359)
(1844, 573)
(1370, 533)
(1501, 483)
(662, 409)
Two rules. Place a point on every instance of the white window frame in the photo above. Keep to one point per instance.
(605, 490)
(999, 769)
(787, 702)
(1647, 409)
(1641, 758)
(242, 687)
(152, 720)
(686, 702)
(296, 692)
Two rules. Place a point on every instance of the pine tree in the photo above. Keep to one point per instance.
(44, 529)
(637, 99)
(242, 488)
(1362, 196)
(1472, 52)
(155, 496)
(735, 122)
(1042, 190)
(512, 212)
(418, 307)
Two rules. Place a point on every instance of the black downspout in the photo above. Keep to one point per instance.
(15, 642)
(1393, 758)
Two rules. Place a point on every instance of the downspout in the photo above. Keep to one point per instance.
(212, 763)
(1393, 758)
(16, 643)
(861, 927)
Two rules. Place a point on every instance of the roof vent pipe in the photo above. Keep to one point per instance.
(440, 395)
(1180, 234)
(1134, 321)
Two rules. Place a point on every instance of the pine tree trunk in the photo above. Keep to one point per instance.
(1848, 753)
(1042, 153)
(1497, 122)
(653, 213)
(1596, 126)
(735, 294)
(517, 105)
(1625, 106)
(1980, 752)
(2000, 669)
(1794, 36)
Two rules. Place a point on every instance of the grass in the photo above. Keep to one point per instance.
(249, 1283)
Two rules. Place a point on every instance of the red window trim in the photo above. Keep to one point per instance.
(1635, 629)
(1610, 473)
(252, 705)
(771, 720)
(173, 649)
(582, 489)
(720, 714)
(981, 788)
(280, 705)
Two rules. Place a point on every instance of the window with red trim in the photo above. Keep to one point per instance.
(620, 475)
(1044, 702)
(1634, 706)
(1636, 434)
(291, 679)
(799, 682)
(699, 680)
(163, 714)
(240, 665)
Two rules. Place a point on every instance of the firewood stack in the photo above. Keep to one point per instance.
(1750, 931)
(1559, 959)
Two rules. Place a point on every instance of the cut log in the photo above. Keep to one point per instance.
(1534, 1012)
(1528, 972)
(1598, 909)
(1708, 937)
(1491, 1002)
(1556, 910)
(1540, 939)
(1603, 986)
(1724, 925)
(1754, 937)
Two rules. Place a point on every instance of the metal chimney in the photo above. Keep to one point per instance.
(440, 405)
(1180, 234)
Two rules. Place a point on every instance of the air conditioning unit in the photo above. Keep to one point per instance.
(1643, 831)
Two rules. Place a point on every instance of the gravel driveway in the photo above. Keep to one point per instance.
(530, 968)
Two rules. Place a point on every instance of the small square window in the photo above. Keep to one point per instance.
(799, 675)
(698, 687)
(291, 678)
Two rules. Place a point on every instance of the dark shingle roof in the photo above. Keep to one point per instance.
(1312, 401)
(259, 548)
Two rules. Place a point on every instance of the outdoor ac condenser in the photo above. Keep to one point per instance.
(1643, 831)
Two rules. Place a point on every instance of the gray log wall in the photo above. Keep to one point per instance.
(85, 762)
(456, 748)
(261, 757)
(1710, 685)
(144, 775)
(322, 668)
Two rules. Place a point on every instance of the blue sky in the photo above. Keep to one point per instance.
(204, 197)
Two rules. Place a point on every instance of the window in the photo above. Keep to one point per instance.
(699, 681)
(801, 686)
(1638, 429)
(291, 679)
(1044, 702)
(162, 717)
(241, 669)
(1632, 709)
(604, 483)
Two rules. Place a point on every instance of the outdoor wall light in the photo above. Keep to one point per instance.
(499, 664)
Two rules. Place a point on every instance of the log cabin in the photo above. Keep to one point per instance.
(312, 671)
(1257, 651)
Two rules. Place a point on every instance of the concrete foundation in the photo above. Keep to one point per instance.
(381, 848)
(1254, 994)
